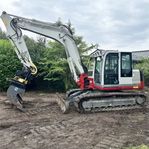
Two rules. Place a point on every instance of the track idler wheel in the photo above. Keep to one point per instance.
(140, 100)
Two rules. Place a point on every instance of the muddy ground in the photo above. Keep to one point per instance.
(43, 126)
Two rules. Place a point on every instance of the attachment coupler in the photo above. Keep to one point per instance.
(17, 88)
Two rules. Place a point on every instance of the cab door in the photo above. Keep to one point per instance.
(111, 68)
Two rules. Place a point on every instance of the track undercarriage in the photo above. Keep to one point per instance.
(93, 101)
(86, 100)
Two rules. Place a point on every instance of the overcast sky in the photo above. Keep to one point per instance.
(113, 24)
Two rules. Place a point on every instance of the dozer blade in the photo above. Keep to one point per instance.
(63, 104)
(14, 94)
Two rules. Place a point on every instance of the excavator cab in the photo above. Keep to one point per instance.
(110, 66)
(112, 70)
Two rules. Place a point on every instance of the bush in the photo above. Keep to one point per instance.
(139, 147)
(9, 63)
(144, 66)
(49, 57)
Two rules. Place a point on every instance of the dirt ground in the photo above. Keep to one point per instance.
(43, 126)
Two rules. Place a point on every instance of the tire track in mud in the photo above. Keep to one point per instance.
(120, 139)
(32, 110)
(44, 121)
(111, 142)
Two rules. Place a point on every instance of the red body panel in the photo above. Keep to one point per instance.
(88, 83)
(82, 84)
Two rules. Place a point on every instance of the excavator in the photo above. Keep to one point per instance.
(110, 83)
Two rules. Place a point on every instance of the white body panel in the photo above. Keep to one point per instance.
(136, 76)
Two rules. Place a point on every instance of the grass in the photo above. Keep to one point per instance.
(139, 147)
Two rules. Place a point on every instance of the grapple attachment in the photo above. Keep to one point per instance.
(17, 88)
(14, 95)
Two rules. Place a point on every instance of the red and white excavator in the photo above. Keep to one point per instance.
(108, 85)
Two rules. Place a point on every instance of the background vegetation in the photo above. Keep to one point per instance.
(50, 59)
(48, 56)
(144, 66)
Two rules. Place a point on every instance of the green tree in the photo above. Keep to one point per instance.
(2, 35)
(144, 66)
(54, 66)
(36, 48)
(49, 57)
(9, 63)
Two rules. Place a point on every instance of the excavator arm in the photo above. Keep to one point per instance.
(57, 31)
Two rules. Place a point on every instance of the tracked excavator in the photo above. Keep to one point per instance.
(110, 83)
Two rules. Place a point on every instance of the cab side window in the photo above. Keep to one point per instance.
(126, 65)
